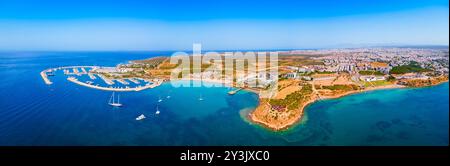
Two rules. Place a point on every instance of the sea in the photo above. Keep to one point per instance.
(33, 113)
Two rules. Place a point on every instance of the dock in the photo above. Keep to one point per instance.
(122, 81)
(142, 79)
(107, 81)
(83, 71)
(75, 71)
(91, 76)
(133, 80)
(234, 91)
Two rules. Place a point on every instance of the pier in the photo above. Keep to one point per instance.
(107, 81)
(83, 71)
(65, 69)
(91, 76)
(75, 71)
(234, 91)
(133, 80)
(122, 81)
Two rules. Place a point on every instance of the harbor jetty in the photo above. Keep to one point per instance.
(45, 77)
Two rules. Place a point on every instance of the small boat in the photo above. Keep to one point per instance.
(157, 111)
(140, 117)
(160, 100)
(114, 104)
(200, 98)
(168, 95)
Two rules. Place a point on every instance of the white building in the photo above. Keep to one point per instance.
(291, 75)
(372, 78)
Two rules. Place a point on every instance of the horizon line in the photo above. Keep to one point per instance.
(224, 50)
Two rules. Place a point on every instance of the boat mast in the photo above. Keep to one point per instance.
(111, 98)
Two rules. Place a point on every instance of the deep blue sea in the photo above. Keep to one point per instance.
(33, 113)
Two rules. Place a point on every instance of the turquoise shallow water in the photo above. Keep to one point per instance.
(32, 113)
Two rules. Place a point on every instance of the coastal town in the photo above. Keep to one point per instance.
(310, 75)
(301, 77)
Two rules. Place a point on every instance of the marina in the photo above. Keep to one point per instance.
(51, 72)
(120, 89)
(83, 75)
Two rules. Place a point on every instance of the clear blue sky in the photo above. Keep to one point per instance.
(219, 24)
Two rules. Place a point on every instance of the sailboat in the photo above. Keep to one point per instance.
(112, 103)
(157, 110)
(200, 98)
(168, 95)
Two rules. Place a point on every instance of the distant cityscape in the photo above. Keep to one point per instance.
(377, 59)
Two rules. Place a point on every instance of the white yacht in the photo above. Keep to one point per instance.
(140, 117)
(160, 100)
(157, 110)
